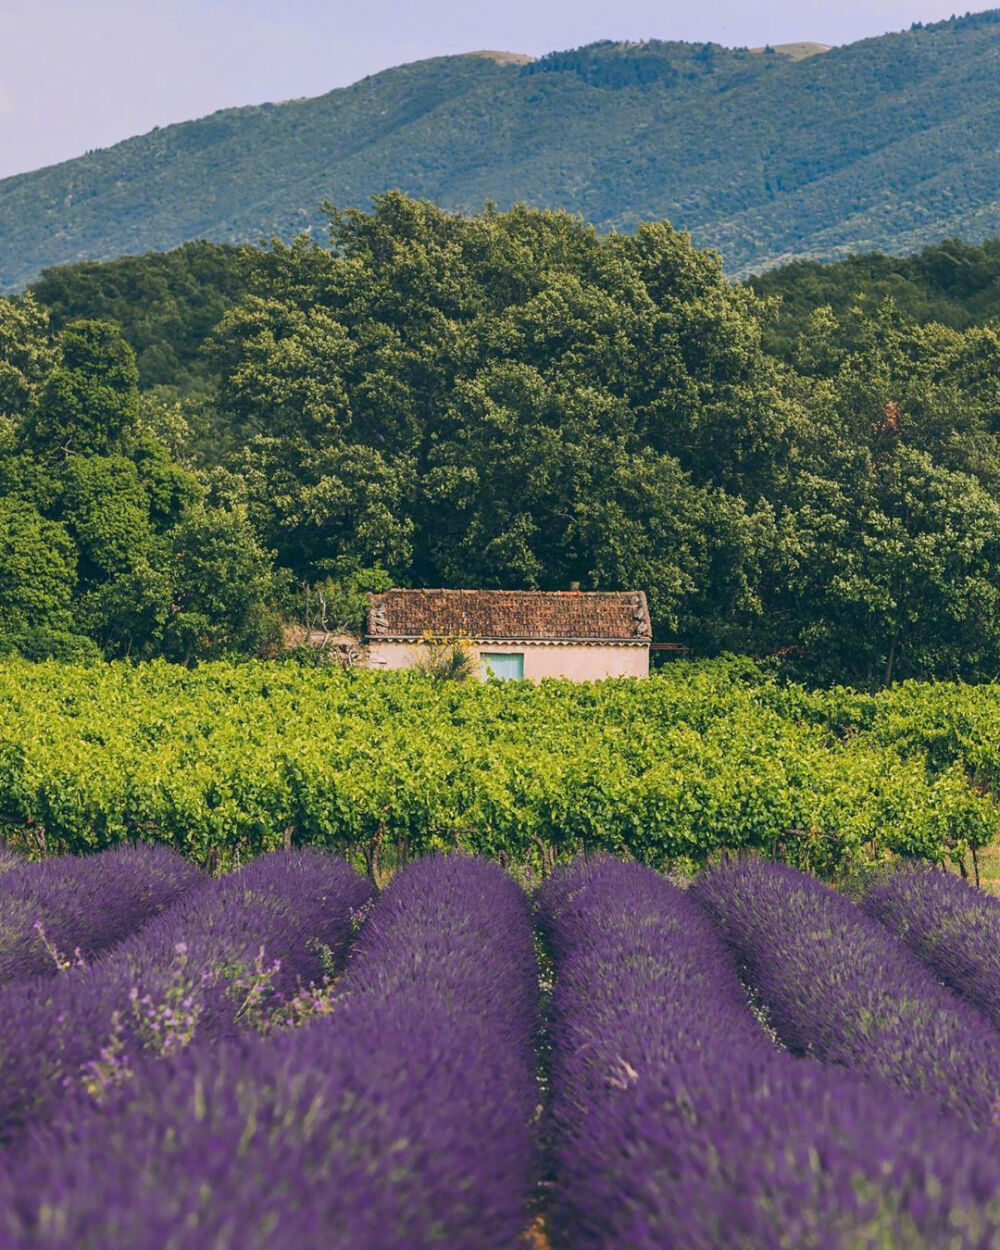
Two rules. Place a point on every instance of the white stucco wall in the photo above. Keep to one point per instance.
(578, 663)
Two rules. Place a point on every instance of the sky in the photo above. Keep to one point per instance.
(83, 74)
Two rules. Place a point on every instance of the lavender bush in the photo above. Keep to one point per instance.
(59, 911)
(210, 966)
(404, 1119)
(676, 1122)
(837, 985)
(953, 927)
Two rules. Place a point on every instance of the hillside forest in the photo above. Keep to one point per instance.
(767, 154)
(806, 470)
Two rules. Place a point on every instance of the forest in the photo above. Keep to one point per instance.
(805, 470)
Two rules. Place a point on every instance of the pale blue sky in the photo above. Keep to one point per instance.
(80, 74)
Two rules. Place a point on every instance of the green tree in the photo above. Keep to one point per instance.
(222, 586)
(90, 400)
(38, 618)
(37, 568)
(104, 534)
(338, 505)
(26, 354)
(899, 577)
(105, 506)
(695, 551)
(284, 371)
(443, 396)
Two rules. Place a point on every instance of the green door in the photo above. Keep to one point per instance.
(508, 666)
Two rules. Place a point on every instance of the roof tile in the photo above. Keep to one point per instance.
(520, 615)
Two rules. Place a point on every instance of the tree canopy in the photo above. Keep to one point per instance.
(107, 545)
(514, 400)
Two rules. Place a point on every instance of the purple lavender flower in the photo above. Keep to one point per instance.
(837, 985)
(295, 906)
(59, 911)
(677, 1122)
(404, 1120)
(953, 927)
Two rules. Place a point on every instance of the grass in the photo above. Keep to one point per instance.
(989, 868)
(798, 51)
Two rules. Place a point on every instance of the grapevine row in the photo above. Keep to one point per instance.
(229, 761)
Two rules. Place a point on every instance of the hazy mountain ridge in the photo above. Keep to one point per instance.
(888, 143)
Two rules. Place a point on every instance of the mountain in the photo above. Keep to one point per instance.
(890, 143)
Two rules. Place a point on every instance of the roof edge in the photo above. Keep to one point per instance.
(512, 640)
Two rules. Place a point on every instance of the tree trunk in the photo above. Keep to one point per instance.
(890, 664)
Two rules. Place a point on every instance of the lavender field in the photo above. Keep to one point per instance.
(283, 1057)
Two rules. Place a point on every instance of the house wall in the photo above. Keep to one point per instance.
(578, 663)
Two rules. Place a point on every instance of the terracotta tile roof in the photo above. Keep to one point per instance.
(521, 615)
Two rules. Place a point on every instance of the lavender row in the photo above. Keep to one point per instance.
(953, 927)
(645, 1002)
(70, 908)
(676, 1122)
(837, 985)
(404, 1119)
(208, 967)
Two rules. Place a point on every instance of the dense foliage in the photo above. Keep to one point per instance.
(107, 543)
(952, 726)
(955, 284)
(166, 305)
(231, 760)
(510, 400)
(676, 1121)
(884, 143)
(404, 1119)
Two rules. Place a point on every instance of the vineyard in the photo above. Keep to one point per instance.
(284, 1056)
(226, 761)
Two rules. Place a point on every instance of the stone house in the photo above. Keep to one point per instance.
(581, 635)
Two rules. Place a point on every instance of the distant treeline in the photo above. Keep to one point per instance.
(513, 400)
(165, 303)
(955, 284)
